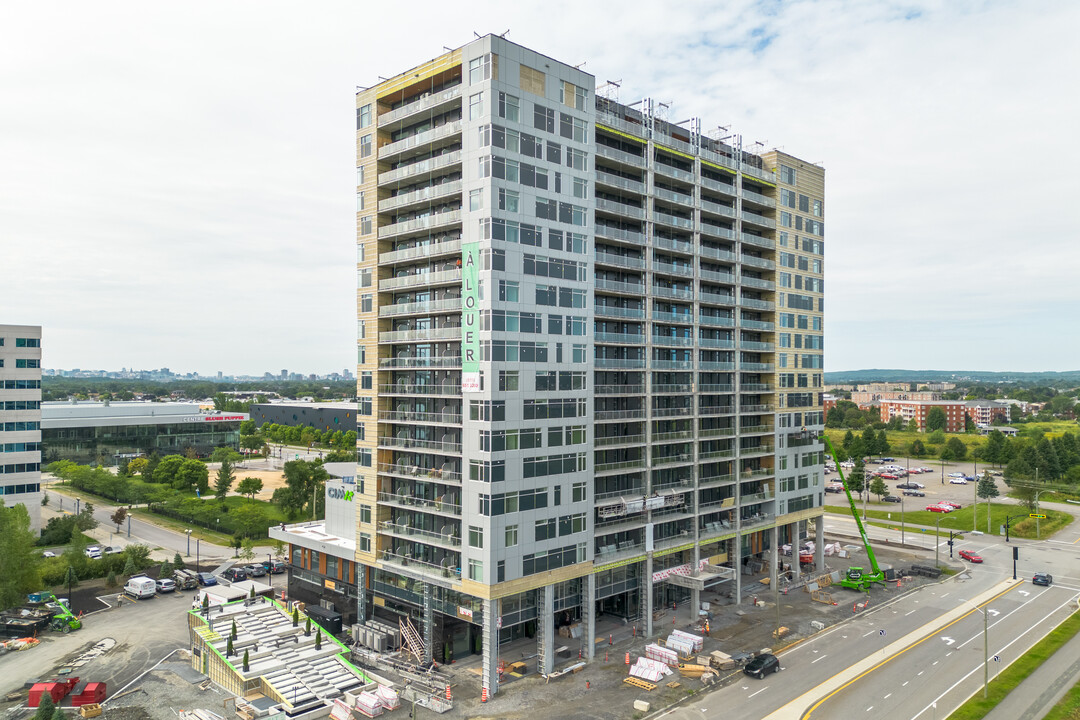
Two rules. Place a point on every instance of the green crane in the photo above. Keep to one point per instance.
(856, 579)
(64, 620)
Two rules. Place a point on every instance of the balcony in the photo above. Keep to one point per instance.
(672, 364)
(617, 181)
(715, 454)
(756, 430)
(757, 520)
(721, 187)
(672, 341)
(670, 292)
(617, 123)
(756, 304)
(425, 474)
(766, 175)
(441, 446)
(619, 389)
(434, 103)
(425, 279)
(716, 231)
(682, 246)
(717, 159)
(716, 298)
(758, 283)
(623, 465)
(608, 553)
(614, 233)
(616, 440)
(620, 156)
(667, 142)
(617, 286)
(447, 131)
(429, 250)
(431, 222)
(424, 335)
(715, 388)
(421, 308)
(758, 241)
(716, 253)
(415, 171)
(421, 196)
(755, 387)
(720, 343)
(618, 363)
(758, 198)
(603, 258)
(394, 363)
(713, 365)
(613, 206)
(714, 276)
(673, 388)
(756, 346)
(756, 367)
(619, 414)
(717, 209)
(675, 197)
(664, 412)
(679, 318)
(763, 263)
(673, 172)
(420, 389)
(410, 502)
(412, 416)
(716, 410)
(619, 338)
(680, 459)
(757, 325)
(673, 220)
(716, 321)
(759, 220)
(756, 451)
(716, 480)
(447, 539)
(619, 312)
(678, 270)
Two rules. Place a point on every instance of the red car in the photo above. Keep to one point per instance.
(950, 503)
(939, 508)
(887, 476)
(970, 556)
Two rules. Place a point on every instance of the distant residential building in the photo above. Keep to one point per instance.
(20, 418)
(985, 412)
(918, 410)
(861, 397)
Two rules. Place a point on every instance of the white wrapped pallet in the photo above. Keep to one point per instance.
(696, 641)
(661, 654)
(683, 647)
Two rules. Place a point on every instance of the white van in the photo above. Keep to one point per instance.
(140, 587)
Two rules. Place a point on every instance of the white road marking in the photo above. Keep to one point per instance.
(820, 658)
(869, 633)
(905, 683)
(869, 708)
(887, 696)
(908, 613)
(758, 692)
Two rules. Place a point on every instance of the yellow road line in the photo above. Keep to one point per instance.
(938, 631)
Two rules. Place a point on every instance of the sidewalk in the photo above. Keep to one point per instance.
(1034, 697)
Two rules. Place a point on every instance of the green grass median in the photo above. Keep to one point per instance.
(962, 519)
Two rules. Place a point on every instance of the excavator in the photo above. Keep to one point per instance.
(857, 578)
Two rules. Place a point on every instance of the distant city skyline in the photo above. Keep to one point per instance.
(165, 373)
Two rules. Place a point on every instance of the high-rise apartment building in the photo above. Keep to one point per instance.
(20, 418)
(580, 388)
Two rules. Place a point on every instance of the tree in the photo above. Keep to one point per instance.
(46, 708)
(318, 639)
(192, 474)
(307, 627)
(110, 581)
(917, 449)
(71, 577)
(247, 427)
(20, 563)
(229, 648)
(118, 517)
(895, 424)
(232, 633)
(166, 570)
(913, 425)
(936, 438)
(250, 486)
(279, 549)
(878, 487)
(869, 440)
(251, 442)
(246, 667)
(136, 466)
(857, 477)
(224, 481)
(986, 488)
(1027, 495)
(224, 453)
(247, 550)
(304, 481)
(178, 562)
(994, 451)
(882, 447)
(250, 519)
(957, 448)
(166, 469)
(935, 419)
(129, 566)
(295, 617)
(834, 418)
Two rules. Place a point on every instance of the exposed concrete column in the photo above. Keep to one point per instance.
(589, 600)
(545, 627)
(819, 547)
(361, 592)
(647, 594)
(429, 623)
(695, 594)
(774, 570)
(490, 638)
(796, 544)
(736, 558)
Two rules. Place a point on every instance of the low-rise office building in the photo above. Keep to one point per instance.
(321, 416)
(106, 433)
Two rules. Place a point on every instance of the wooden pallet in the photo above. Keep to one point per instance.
(638, 682)
(674, 684)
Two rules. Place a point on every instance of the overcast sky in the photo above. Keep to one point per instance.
(177, 180)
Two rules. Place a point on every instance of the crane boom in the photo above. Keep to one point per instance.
(877, 575)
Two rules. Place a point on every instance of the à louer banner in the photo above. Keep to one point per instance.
(470, 317)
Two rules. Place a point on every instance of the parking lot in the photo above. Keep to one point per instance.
(938, 487)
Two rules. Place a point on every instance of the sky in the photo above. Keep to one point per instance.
(177, 184)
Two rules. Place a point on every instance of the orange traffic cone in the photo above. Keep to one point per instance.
(627, 658)
(448, 693)
(483, 694)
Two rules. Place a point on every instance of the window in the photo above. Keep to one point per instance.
(476, 570)
(787, 175)
(363, 116)
(581, 188)
(480, 69)
(509, 107)
(366, 303)
(27, 363)
(360, 175)
(818, 209)
(365, 380)
(508, 380)
(476, 536)
(579, 492)
(365, 513)
(364, 456)
(543, 118)
(366, 225)
(509, 200)
(574, 96)
(365, 277)
(804, 203)
(484, 164)
(365, 146)
(787, 198)
(577, 159)
(545, 529)
(476, 105)
(785, 218)
(476, 200)
(511, 535)
(508, 290)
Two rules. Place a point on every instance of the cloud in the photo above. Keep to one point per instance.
(176, 181)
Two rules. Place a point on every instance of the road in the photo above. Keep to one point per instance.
(924, 664)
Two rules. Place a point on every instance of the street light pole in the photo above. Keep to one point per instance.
(197, 542)
(188, 533)
(986, 647)
(902, 520)
(937, 542)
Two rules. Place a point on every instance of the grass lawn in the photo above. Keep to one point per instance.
(900, 440)
(218, 538)
(273, 514)
(1017, 672)
(1067, 708)
(961, 519)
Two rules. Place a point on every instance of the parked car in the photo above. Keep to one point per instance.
(113, 550)
(834, 487)
(278, 566)
(950, 503)
(970, 556)
(910, 485)
(140, 587)
(164, 585)
(1042, 578)
(234, 574)
(888, 459)
(94, 551)
(939, 508)
(926, 469)
(206, 578)
(888, 476)
(762, 665)
(48, 553)
(957, 481)
(955, 474)
(891, 498)
(254, 570)
(915, 471)
(914, 493)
